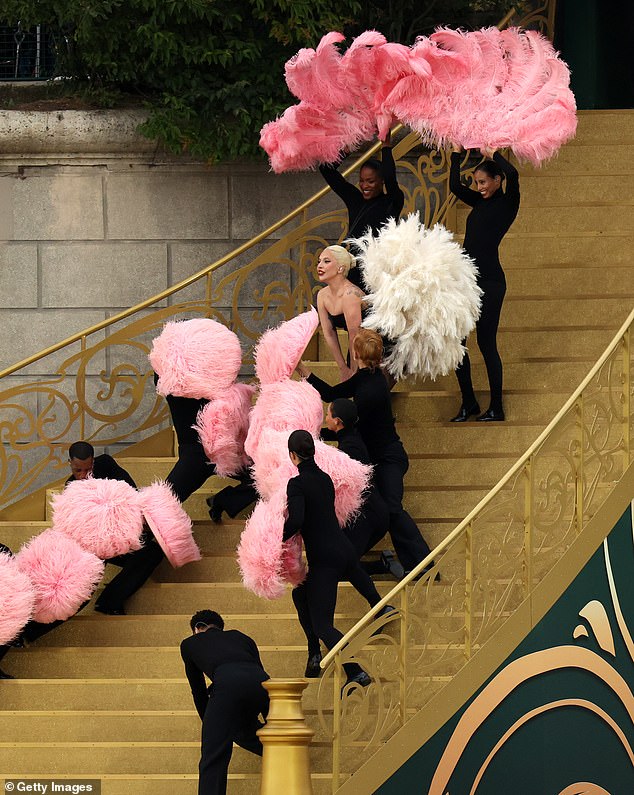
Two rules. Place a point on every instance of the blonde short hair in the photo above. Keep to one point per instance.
(344, 258)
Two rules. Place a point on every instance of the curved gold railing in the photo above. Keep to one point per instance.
(96, 384)
(492, 561)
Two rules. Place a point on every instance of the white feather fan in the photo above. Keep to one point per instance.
(423, 295)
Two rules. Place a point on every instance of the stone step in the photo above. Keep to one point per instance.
(540, 251)
(554, 190)
(592, 282)
(566, 220)
(591, 157)
(600, 126)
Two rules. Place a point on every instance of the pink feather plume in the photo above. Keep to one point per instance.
(349, 477)
(280, 349)
(17, 599)
(103, 516)
(197, 358)
(63, 574)
(222, 426)
(316, 77)
(169, 523)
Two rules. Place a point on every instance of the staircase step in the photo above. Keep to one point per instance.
(541, 189)
(603, 218)
(582, 249)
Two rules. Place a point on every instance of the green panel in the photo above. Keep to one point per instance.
(566, 743)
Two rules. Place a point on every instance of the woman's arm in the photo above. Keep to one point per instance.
(512, 190)
(468, 196)
(296, 508)
(331, 337)
(351, 305)
(388, 167)
(339, 184)
(329, 393)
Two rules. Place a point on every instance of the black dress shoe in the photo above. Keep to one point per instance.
(491, 415)
(110, 611)
(391, 564)
(466, 412)
(5, 675)
(215, 511)
(384, 611)
(362, 679)
(313, 670)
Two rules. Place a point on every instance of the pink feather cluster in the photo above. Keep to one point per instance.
(222, 426)
(197, 358)
(103, 516)
(283, 405)
(169, 523)
(62, 574)
(17, 599)
(484, 89)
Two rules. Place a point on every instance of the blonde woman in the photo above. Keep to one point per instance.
(339, 303)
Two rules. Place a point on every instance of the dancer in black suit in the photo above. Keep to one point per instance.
(330, 555)
(230, 707)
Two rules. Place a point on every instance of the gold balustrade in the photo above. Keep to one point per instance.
(490, 564)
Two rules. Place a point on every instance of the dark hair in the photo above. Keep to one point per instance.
(368, 346)
(490, 168)
(375, 165)
(206, 618)
(81, 450)
(344, 410)
(302, 444)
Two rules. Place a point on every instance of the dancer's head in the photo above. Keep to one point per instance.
(487, 178)
(204, 620)
(334, 260)
(342, 413)
(81, 456)
(368, 348)
(301, 446)
(371, 179)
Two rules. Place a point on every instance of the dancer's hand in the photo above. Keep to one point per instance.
(488, 153)
(387, 141)
(302, 371)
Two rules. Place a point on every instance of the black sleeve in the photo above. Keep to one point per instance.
(339, 184)
(253, 648)
(468, 196)
(5, 549)
(388, 167)
(326, 435)
(119, 473)
(329, 393)
(296, 508)
(512, 190)
(196, 679)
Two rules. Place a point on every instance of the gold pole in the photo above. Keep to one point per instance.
(286, 737)
(208, 285)
(468, 602)
(579, 472)
(337, 680)
(402, 685)
(81, 388)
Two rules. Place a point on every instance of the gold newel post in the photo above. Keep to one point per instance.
(286, 737)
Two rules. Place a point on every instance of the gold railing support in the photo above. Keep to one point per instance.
(468, 596)
(579, 467)
(285, 738)
(402, 654)
(627, 395)
(528, 524)
(337, 684)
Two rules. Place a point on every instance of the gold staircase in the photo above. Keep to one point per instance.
(105, 697)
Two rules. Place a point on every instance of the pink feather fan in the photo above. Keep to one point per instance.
(17, 599)
(197, 358)
(268, 564)
(63, 574)
(169, 523)
(103, 516)
(222, 426)
(349, 477)
(316, 76)
(280, 349)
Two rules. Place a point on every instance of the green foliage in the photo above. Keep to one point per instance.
(211, 71)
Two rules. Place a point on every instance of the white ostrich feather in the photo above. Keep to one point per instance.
(422, 294)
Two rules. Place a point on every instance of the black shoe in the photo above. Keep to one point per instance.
(313, 669)
(491, 415)
(384, 611)
(362, 679)
(5, 675)
(110, 611)
(391, 564)
(17, 643)
(466, 412)
(215, 511)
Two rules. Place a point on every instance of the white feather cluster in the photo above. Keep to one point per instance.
(423, 295)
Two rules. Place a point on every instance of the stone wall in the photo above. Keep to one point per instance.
(93, 219)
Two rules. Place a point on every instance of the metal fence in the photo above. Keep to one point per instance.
(27, 53)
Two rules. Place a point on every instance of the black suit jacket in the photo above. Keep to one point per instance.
(104, 467)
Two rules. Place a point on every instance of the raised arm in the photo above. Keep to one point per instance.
(468, 196)
(512, 189)
(331, 337)
(388, 169)
(339, 184)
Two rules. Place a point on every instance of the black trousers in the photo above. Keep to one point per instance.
(236, 699)
(233, 499)
(187, 475)
(389, 471)
(315, 601)
(486, 335)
